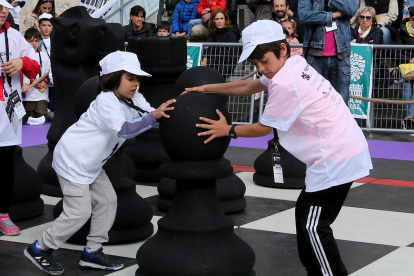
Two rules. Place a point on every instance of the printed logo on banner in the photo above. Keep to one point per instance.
(193, 54)
(361, 80)
(98, 8)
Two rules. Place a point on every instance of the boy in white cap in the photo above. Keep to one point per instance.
(313, 124)
(119, 112)
(15, 55)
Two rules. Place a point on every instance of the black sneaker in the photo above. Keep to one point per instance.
(43, 259)
(100, 260)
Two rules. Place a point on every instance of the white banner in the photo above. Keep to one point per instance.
(98, 8)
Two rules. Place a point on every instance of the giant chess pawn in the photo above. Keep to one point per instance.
(165, 59)
(294, 171)
(195, 238)
(26, 202)
(230, 189)
(79, 42)
(133, 215)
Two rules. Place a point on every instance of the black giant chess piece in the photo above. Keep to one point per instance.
(133, 215)
(230, 189)
(195, 238)
(165, 59)
(26, 202)
(79, 42)
(294, 171)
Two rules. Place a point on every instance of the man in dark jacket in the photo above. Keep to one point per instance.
(137, 26)
(280, 10)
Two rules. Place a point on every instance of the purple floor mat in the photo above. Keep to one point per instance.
(36, 135)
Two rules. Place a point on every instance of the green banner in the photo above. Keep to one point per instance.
(361, 79)
(193, 54)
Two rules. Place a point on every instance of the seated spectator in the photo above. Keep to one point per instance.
(164, 29)
(137, 26)
(166, 10)
(406, 5)
(262, 9)
(406, 37)
(199, 34)
(366, 31)
(222, 59)
(292, 36)
(185, 11)
(386, 14)
(280, 10)
(204, 9)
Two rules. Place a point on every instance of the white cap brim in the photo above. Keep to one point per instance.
(137, 72)
(6, 4)
(247, 52)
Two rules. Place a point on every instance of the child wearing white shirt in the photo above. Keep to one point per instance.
(314, 124)
(118, 113)
(35, 99)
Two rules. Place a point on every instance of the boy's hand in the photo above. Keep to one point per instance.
(160, 111)
(194, 89)
(12, 67)
(25, 88)
(41, 85)
(216, 129)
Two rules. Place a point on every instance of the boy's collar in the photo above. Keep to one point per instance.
(7, 24)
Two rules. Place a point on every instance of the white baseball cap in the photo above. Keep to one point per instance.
(118, 61)
(44, 16)
(260, 32)
(6, 4)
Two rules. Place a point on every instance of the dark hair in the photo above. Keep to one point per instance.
(136, 10)
(164, 25)
(273, 47)
(36, 9)
(111, 82)
(411, 11)
(211, 26)
(32, 32)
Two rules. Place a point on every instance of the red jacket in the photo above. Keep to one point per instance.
(214, 4)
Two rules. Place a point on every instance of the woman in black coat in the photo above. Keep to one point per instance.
(223, 59)
(366, 32)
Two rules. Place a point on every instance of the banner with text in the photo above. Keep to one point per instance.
(361, 79)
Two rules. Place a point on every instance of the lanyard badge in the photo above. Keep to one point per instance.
(277, 165)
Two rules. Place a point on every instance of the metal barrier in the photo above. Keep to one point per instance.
(387, 84)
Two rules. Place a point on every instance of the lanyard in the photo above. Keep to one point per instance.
(41, 64)
(7, 55)
(131, 104)
(47, 52)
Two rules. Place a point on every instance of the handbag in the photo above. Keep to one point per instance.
(407, 71)
(165, 16)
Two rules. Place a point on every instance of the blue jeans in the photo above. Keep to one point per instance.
(336, 71)
(386, 35)
(194, 22)
(408, 96)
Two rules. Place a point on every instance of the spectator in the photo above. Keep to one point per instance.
(35, 99)
(137, 26)
(387, 13)
(223, 59)
(163, 29)
(15, 12)
(280, 10)
(185, 11)
(406, 5)
(290, 26)
(326, 39)
(204, 9)
(166, 10)
(199, 34)
(406, 37)
(32, 20)
(262, 9)
(366, 32)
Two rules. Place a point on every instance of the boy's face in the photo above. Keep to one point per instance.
(163, 32)
(35, 42)
(269, 64)
(45, 28)
(4, 12)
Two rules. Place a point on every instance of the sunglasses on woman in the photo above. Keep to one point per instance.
(368, 18)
